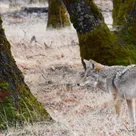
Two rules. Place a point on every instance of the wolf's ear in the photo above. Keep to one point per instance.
(92, 64)
(96, 66)
(86, 61)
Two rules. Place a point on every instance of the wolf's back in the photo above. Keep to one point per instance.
(125, 81)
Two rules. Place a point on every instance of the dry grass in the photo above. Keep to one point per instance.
(51, 67)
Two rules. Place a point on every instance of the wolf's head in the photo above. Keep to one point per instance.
(92, 76)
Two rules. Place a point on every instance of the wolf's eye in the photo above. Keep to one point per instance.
(86, 75)
(82, 74)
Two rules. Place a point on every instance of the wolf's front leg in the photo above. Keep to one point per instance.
(118, 104)
(131, 112)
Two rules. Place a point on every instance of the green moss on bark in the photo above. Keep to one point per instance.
(128, 33)
(121, 11)
(17, 104)
(96, 41)
(124, 14)
(102, 46)
(96, 10)
(7, 110)
(57, 15)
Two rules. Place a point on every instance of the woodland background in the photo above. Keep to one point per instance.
(41, 48)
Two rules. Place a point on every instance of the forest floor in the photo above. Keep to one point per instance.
(52, 67)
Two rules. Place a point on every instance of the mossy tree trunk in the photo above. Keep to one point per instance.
(57, 15)
(124, 16)
(121, 11)
(16, 101)
(95, 39)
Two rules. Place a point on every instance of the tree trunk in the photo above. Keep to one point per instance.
(121, 11)
(95, 39)
(57, 15)
(126, 18)
(16, 101)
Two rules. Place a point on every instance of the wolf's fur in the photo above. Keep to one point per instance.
(120, 81)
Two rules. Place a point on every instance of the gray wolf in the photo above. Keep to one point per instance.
(120, 81)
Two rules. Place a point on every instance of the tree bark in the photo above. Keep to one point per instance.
(126, 18)
(121, 11)
(16, 101)
(57, 15)
(95, 39)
